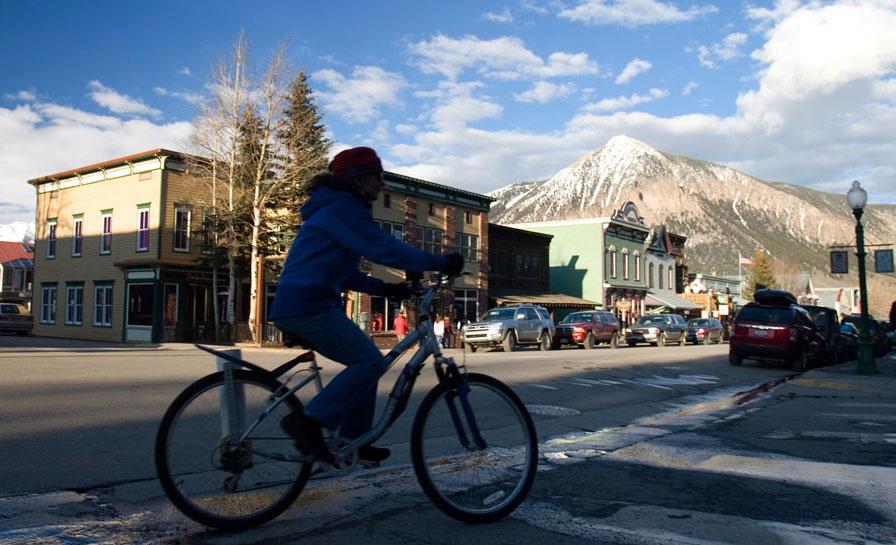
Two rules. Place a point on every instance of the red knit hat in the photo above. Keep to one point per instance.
(355, 162)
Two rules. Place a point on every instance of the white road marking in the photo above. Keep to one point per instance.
(551, 410)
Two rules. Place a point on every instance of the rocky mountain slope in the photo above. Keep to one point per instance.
(722, 211)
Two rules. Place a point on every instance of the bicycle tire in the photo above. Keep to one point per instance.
(468, 484)
(270, 485)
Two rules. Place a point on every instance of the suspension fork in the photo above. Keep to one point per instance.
(452, 375)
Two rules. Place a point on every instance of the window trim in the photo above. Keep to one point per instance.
(107, 303)
(142, 209)
(71, 308)
(77, 235)
(182, 209)
(612, 251)
(106, 237)
(52, 238)
(50, 308)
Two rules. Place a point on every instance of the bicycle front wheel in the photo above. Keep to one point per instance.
(474, 448)
(219, 480)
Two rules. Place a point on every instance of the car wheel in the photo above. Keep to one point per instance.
(661, 340)
(472, 348)
(799, 363)
(546, 343)
(589, 341)
(614, 341)
(631, 345)
(509, 343)
(734, 359)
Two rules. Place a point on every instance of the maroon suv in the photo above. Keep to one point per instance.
(775, 328)
(587, 329)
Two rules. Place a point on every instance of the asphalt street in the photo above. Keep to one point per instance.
(641, 445)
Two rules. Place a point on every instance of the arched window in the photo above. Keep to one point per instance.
(625, 263)
(671, 278)
(637, 265)
(612, 251)
(650, 275)
(659, 277)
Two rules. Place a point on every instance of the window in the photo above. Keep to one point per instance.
(650, 275)
(392, 228)
(51, 239)
(612, 261)
(387, 200)
(660, 277)
(468, 216)
(466, 304)
(140, 303)
(102, 305)
(671, 278)
(74, 304)
(625, 263)
(77, 235)
(528, 265)
(181, 228)
(637, 266)
(432, 209)
(431, 240)
(48, 305)
(106, 236)
(143, 228)
(468, 246)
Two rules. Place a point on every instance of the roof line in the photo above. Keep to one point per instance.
(104, 164)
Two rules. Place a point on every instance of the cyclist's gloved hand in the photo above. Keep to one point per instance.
(454, 264)
(397, 290)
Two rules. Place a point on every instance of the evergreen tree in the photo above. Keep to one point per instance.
(761, 275)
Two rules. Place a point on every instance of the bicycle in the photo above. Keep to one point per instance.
(224, 461)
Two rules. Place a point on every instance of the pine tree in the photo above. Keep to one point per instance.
(761, 275)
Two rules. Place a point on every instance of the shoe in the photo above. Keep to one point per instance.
(307, 436)
(370, 453)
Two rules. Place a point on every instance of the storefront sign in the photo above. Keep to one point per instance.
(883, 261)
(623, 305)
(839, 262)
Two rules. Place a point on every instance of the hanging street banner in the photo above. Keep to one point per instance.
(883, 261)
(839, 262)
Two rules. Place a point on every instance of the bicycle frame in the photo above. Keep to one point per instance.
(423, 335)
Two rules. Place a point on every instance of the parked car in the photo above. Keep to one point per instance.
(825, 319)
(15, 318)
(587, 328)
(846, 342)
(509, 327)
(880, 342)
(704, 330)
(658, 330)
(774, 327)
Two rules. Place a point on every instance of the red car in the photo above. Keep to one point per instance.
(775, 328)
(587, 328)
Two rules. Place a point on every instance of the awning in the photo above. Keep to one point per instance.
(669, 300)
(545, 299)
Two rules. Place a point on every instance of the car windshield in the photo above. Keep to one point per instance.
(9, 309)
(857, 321)
(699, 323)
(650, 320)
(498, 315)
(773, 315)
(577, 317)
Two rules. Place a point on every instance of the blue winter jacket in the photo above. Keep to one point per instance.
(337, 229)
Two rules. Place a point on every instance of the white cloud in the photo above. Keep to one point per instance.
(17, 231)
(23, 95)
(457, 104)
(504, 16)
(767, 18)
(504, 58)
(726, 50)
(185, 71)
(821, 113)
(545, 91)
(624, 103)
(632, 69)
(689, 88)
(405, 128)
(632, 12)
(45, 138)
(358, 98)
(118, 103)
(192, 98)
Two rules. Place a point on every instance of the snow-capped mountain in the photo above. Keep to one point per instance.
(722, 211)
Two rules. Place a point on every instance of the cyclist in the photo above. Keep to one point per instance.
(337, 230)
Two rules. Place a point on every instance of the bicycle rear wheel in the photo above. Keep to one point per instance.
(219, 481)
(474, 479)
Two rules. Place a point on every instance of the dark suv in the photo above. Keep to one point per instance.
(658, 330)
(774, 327)
(587, 328)
(880, 342)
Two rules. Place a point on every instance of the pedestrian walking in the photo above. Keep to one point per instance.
(401, 326)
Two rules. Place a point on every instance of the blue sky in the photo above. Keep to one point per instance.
(475, 95)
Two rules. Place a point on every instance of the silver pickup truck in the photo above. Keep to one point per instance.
(509, 327)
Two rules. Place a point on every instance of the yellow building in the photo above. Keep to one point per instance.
(117, 255)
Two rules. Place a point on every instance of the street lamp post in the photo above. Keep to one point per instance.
(857, 197)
